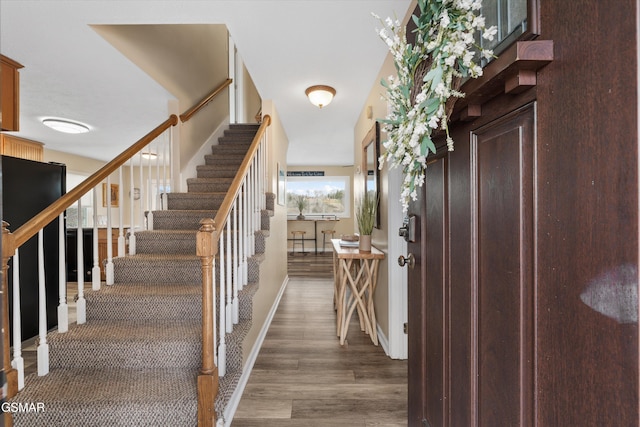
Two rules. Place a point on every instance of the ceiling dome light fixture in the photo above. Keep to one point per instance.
(320, 95)
(66, 126)
(148, 155)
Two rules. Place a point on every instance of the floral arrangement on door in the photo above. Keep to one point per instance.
(429, 74)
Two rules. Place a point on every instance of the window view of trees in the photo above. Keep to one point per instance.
(318, 196)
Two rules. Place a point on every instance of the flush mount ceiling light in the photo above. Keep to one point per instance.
(320, 95)
(148, 155)
(66, 126)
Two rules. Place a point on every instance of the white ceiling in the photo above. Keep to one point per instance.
(287, 45)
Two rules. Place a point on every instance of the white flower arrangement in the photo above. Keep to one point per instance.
(429, 72)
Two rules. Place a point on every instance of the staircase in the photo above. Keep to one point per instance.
(136, 359)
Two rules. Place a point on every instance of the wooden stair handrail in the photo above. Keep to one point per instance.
(42, 219)
(184, 117)
(225, 208)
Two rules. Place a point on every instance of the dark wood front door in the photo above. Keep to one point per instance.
(471, 289)
(427, 308)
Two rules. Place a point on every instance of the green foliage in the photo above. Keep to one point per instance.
(366, 212)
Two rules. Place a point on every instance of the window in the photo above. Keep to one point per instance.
(73, 180)
(509, 16)
(324, 195)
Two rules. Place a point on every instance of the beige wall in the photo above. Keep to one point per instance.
(273, 269)
(252, 102)
(379, 238)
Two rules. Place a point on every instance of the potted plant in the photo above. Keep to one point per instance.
(301, 203)
(366, 212)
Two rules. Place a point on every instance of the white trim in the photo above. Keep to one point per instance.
(234, 401)
(397, 276)
(382, 339)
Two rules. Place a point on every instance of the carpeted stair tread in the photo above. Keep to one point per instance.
(211, 171)
(212, 159)
(111, 398)
(180, 219)
(166, 242)
(145, 301)
(208, 184)
(240, 149)
(128, 344)
(195, 201)
(160, 268)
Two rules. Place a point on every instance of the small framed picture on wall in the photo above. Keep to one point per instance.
(112, 194)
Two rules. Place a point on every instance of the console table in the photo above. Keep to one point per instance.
(358, 272)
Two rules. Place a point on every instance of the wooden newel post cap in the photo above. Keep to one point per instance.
(205, 239)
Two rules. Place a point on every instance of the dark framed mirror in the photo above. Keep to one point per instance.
(370, 169)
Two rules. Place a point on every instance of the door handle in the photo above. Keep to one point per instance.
(410, 260)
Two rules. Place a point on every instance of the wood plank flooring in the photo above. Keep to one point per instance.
(303, 377)
(310, 265)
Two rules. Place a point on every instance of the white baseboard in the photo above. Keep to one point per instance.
(234, 401)
(383, 340)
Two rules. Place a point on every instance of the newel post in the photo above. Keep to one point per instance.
(208, 378)
(8, 250)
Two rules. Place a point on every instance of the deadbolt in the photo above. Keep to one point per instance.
(408, 229)
(410, 259)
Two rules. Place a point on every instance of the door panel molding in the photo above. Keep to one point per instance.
(502, 158)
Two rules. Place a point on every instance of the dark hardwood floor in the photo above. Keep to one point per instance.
(310, 265)
(303, 377)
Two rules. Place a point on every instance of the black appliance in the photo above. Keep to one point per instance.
(28, 187)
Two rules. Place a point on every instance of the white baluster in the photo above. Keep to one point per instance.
(222, 347)
(149, 192)
(95, 271)
(43, 347)
(143, 195)
(261, 180)
(257, 193)
(18, 362)
(109, 268)
(236, 308)
(81, 304)
(165, 196)
(256, 202)
(229, 284)
(158, 193)
(63, 309)
(240, 239)
(215, 314)
(252, 243)
(172, 177)
(121, 242)
(132, 219)
(245, 233)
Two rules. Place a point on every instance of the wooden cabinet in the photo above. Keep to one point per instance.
(21, 148)
(9, 94)
(102, 248)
